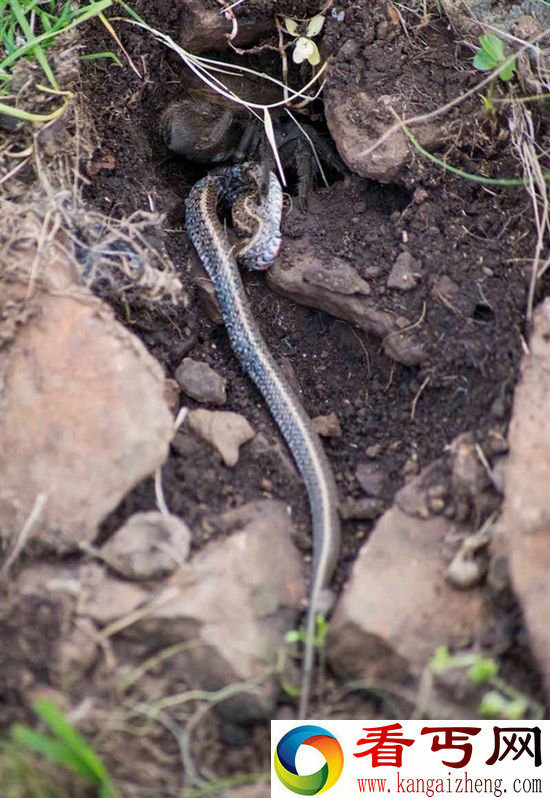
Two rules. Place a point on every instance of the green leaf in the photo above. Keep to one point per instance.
(507, 72)
(314, 58)
(315, 26)
(484, 62)
(441, 660)
(493, 46)
(493, 705)
(516, 709)
(291, 25)
(483, 670)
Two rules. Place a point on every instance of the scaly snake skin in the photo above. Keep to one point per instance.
(238, 184)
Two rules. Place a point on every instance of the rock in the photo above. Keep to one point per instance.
(445, 289)
(205, 28)
(468, 475)
(416, 497)
(201, 382)
(77, 652)
(172, 394)
(472, 17)
(374, 451)
(226, 431)
(398, 607)
(404, 274)
(83, 420)
(149, 546)
(106, 599)
(328, 426)
(208, 300)
(371, 477)
(523, 531)
(235, 604)
(356, 120)
(362, 509)
(340, 291)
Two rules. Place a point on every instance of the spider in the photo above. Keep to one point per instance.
(206, 132)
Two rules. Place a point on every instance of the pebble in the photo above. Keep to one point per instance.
(225, 431)
(404, 273)
(149, 546)
(328, 426)
(172, 394)
(371, 478)
(374, 451)
(199, 381)
(366, 509)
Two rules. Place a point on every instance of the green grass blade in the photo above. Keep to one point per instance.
(53, 750)
(28, 116)
(486, 181)
(105, 54)
(70, 738)
(93, 9)
(38, 52)
(131, 12)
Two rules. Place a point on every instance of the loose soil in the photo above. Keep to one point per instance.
(478, 237)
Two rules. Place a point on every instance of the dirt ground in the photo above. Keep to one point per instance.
(481, 238)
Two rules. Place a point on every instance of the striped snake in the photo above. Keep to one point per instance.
(256, 199)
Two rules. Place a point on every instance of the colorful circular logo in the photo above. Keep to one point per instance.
(285, 760)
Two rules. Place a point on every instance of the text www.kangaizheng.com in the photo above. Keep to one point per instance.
(463, 784)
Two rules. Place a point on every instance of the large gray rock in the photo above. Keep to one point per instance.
(148, 546)
(335, 287)
(398, 606)
(523, 533)
(83, 420)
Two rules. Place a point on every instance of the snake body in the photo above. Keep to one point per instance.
(236, 185)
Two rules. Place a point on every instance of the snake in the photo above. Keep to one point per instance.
(254, 195)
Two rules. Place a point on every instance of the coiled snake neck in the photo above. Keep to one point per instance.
(241, 187)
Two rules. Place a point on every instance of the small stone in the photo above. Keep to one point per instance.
(466, 571)
(420, 195)
(328, 426)
(404, 274)
(371, 478)
(209, 302)
(201, 382)
(411, 467)
(349, 50)
(226, 431)
(382, 30)
(436, 505)
(148, 546)
(374, 451)
(445, 288)
(498, 408)
(469, 477)
(366, 509)
(496, 444)
(172, 394)
(526, 27)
